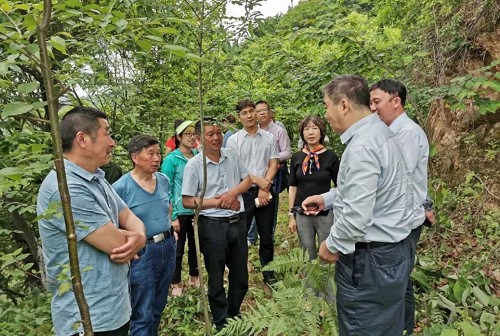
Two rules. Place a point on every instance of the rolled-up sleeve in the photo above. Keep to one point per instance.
(362, 172)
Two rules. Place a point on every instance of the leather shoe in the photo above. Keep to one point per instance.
(270, 280)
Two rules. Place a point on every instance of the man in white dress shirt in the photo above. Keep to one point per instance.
(387, 99)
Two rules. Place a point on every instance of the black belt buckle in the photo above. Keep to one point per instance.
(234, 219)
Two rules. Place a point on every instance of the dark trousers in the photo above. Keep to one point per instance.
(123, 331)
(264, 218)
(371, 285)
(186, 231)
(225, 244)
(409, 296)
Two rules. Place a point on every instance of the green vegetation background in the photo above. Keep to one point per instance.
(139, 62)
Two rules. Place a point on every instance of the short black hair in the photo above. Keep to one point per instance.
(79, 119)
(392, 87)
(244, 103)
(230, 119)
(140, 142)
(263, 102)
(208, 121)
(352, 87)
(316, 121)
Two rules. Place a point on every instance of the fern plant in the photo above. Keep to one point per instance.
(294, 308)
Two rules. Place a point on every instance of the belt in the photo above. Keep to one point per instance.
(161, 236)
(231, 219)
(364, 246)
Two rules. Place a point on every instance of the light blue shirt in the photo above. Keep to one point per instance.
(374, 198)
(416, 148)
(151, 208)
(93, 203)
(254, 151)
(227, 135)
(221, 177)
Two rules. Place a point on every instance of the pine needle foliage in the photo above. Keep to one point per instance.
(295, 309)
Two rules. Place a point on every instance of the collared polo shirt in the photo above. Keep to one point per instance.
(254, 151)
(416, 149)
(94, 203)
(374, 198)
(221, 177)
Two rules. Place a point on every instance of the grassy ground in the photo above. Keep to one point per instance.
(184, 315)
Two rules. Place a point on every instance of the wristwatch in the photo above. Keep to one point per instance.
(291, 214)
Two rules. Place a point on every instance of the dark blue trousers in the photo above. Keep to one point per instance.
(371, 286)
(264, 218)
(224, 244)
(409, 297)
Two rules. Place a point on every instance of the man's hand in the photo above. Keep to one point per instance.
(263, 184)
(313, 204)
(292, 224)
(176, 225)
(327, 256)
(430, 216)
(263, 197)
(228, 201)
(127, 252)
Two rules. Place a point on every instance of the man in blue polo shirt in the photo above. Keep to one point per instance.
(109, 235)
(222, 225)
(146, 192)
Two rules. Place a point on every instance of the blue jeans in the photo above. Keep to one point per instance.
(150, 278)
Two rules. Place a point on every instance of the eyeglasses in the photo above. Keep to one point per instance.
(189, 134)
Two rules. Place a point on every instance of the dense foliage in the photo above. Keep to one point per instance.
(140, 60)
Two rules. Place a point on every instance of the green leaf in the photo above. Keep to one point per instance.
(121, 23)
(167, 30)
(27, 87)
(86, 268)
(481, 296)
(432, 150)
(449, 332)
(194, 57)
(177, 50)
(29, 22)
(421, 278)
(58, 43)
(145, 45)
(27, 266)
(38, 105)
(470, 330)
(63, 288)
(15, 108)
(487, 320)
(87, 19)
(154, 38)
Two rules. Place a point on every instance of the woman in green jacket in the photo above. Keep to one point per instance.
(182, 218)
